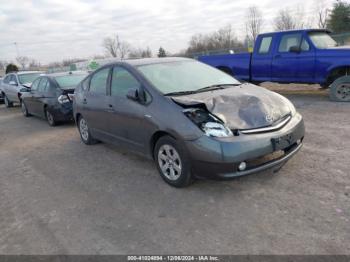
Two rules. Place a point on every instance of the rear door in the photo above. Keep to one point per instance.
(95, 102)
(38, 97)
(28, 99)
(11, 89)
(285, 62)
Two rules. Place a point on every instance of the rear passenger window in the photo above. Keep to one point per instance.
(43, 84)
(122, 81)
(288, 41)
(7, 79)
(98, 83)
(265, 45)
(35, 85)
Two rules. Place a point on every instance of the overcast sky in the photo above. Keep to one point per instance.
(60, 29)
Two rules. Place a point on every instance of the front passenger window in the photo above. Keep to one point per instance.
(122, 81)
(98, 83)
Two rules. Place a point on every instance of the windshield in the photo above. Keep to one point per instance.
(322, 40)
(28, 78)
(69, 81)
(184, 76)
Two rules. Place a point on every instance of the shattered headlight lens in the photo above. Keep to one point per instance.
(211, 125)
(215, 129)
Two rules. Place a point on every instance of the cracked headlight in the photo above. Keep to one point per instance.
(216, 130)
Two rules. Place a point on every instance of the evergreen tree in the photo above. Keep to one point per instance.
(339, 19)
(161, 52)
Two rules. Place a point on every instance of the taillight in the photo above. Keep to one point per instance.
(62, 99)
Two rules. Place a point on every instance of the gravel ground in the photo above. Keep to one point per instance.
(59, 196)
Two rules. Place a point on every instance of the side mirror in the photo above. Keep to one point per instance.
(133, 94)
(295, 49)
(13, 83)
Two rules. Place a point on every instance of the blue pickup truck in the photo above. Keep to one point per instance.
(297, 56)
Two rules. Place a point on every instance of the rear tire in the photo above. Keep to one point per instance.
(85, 132)
(24, 109)
(340, 90)
(7, 102)
(50, 118)
(173, 162)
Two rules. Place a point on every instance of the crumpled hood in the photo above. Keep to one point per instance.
(242, 107)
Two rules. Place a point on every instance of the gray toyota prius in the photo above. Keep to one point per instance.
(192, 119)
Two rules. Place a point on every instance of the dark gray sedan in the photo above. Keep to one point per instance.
(192, 119)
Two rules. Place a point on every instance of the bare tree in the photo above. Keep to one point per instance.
(254, 22)
(140, 53)
(33, 64)
(23, 61)
(224, 38)
(288, 19)
(322, 13)
(284, 21)
(115, 47)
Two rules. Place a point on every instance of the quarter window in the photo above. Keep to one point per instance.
(288, 41)
(98, 82)
(265, 45)
(122, 81)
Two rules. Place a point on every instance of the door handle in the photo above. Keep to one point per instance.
(110, 108)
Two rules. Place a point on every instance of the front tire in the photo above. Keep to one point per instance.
(24, 109)
(85, 132)
(173, 162)
(7, 102)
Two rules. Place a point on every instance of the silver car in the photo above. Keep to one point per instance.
(14, 84)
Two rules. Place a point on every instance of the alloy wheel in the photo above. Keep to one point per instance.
(169, 162)
(24, 109)
(50, 118)
(343, 92)
(84, 129)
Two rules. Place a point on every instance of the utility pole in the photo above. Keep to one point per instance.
(16, 46)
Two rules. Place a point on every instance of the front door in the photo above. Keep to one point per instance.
(126, 119)
(285, 62)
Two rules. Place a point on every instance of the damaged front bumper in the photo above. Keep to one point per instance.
(221, 157)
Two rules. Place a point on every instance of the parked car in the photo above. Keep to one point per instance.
(298, 56)
(1, 97)
(51, 96)
(192, 119)
(15, 84)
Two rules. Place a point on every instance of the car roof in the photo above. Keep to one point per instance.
(67, 73)
(297, 31)
(150, 61)
(27, 72)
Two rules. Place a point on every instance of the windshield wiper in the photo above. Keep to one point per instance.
(180, 93)
(215, 87)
